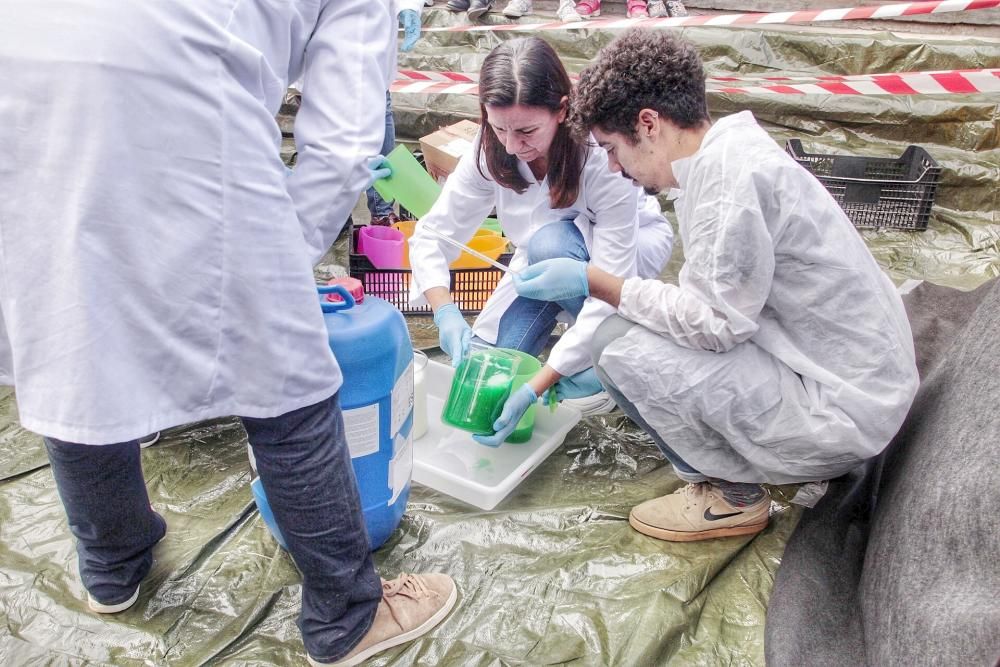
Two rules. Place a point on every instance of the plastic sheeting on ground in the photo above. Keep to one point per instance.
(554, 575)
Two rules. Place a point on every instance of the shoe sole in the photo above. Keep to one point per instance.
(143, 444)
(398, 639)
(513, 15)
(476, 13)
(100, 608)
(694, 536)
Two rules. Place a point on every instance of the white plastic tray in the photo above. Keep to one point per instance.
(448, 460)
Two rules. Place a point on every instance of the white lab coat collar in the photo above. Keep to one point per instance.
(681, 168)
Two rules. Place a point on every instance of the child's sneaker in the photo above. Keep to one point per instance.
(589, 9)
(657, 9)
(636, 9)
(567, 12)
(515, 9)
(676, 8)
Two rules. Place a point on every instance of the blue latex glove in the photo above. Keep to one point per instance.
(584, 383)
(454, 333)
(553, 280)
(410, 20)
(378, 168)
(513, 409)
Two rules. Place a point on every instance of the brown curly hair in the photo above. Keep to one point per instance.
(642, 69)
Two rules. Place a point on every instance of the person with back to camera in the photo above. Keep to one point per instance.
(156, 269)
(783, 353)
(554, 197)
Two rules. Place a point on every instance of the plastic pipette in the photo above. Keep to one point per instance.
(462, 246)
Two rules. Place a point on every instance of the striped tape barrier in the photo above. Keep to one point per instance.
(890, 11)
(909, 83)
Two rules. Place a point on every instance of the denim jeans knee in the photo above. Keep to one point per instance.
(527, 323)
(557, 239)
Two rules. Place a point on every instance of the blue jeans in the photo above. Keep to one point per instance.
(527, 324)
(378, 207)
(305, 467)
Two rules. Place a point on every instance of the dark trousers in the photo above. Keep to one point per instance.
(305, 467)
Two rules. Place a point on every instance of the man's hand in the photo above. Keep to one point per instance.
(584, 383)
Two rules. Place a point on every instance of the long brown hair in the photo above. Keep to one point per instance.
(527, 71)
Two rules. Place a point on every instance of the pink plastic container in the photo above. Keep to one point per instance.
(383, 245)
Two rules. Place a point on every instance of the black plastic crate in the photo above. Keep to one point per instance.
(470, 288)
(877, 192)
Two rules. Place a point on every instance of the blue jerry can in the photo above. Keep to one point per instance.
(369, 338)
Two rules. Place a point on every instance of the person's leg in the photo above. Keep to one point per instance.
(379, 208)
(527, 324)
(305, 467)
(104, 495)
(348, 612)
(708, 506)
(611, 330)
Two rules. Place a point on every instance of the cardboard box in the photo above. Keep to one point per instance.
(443, 148)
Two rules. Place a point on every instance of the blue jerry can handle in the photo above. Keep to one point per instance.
(333, 306)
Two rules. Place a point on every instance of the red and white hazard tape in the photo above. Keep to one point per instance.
(908, 83)
(805, 16)
(912, 83)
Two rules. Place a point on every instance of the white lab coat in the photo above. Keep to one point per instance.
(155, 263)
(608, 212)
(784, 353)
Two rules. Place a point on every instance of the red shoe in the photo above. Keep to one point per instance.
(636, 9)
(589, 8)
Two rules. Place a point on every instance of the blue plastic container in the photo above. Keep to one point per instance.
(369, 338)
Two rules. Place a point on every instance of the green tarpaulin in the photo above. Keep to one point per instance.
(553, 575)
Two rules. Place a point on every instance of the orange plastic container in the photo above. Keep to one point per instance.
(465, 260)
(486, 242)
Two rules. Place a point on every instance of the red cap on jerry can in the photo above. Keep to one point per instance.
(353, 285)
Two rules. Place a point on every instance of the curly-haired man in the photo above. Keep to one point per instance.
(783, 353)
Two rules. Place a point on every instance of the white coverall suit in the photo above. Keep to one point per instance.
(784, 353)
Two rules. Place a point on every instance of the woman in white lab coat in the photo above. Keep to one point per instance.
(554, 197)
(156, 266)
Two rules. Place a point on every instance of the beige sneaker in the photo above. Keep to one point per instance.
(411, 605)
(697, 512)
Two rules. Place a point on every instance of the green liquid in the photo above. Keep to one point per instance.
(475, 403)
(526, 370)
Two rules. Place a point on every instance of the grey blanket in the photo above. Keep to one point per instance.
(899, 564)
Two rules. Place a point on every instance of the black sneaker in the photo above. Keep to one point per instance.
(457, 5)
(479, 7)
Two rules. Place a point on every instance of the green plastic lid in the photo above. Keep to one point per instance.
(409, 184)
